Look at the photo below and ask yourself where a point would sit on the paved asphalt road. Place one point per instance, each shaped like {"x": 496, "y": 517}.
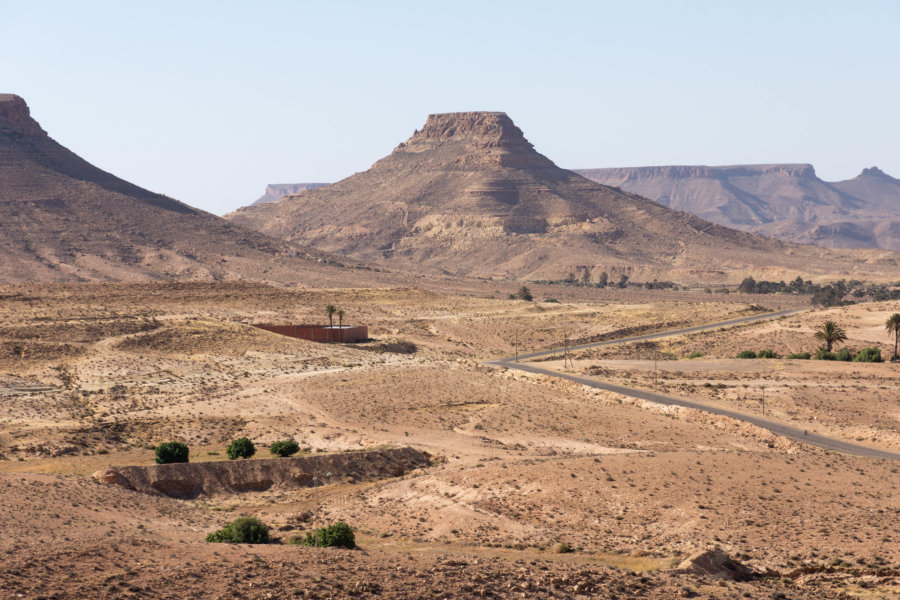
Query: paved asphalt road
{"x": 776, "y": 427}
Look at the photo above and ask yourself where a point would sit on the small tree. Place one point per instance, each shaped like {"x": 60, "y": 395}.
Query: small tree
{"x": 623, "y": 281}
{"x": 244, "y": 530}
{"x": 171, "y": 452}
{"x": 284, "y": 448}
{"x": 892, "y": 325}
{"x": 603, "y": 280}
{"x": 524, "y": 294}
{"x": 240, "y": 448}
{"x": 340, "y": 314}
{"x": 330, "y": 310}
{"x": 831, "y": 333}
{"x": 340, "y": 534}
{"x": 748, "y": 285}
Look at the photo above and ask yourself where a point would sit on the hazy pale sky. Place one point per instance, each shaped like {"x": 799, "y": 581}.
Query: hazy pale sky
{"x": 208, "y": 101}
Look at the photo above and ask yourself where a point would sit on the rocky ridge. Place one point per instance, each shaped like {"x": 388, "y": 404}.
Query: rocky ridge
{"x": 786, "y": 201}
{"x": 468, "y": 195}
{"x": 277, "y": 191}
{"x": 63, "y": 219}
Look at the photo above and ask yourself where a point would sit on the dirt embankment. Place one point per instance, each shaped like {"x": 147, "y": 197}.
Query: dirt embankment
{"x": 190, "y": 480}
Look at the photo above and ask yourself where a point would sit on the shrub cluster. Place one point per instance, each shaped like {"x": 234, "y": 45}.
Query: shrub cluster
{"x": 171, "y": 452}
{"x": 848, "y": 354}
{"x": 799, "y": 355}
{"x": 760, "y": 354}
{"x": 240, "y": 448}
{"x": 244, "y": 530}
{"x": 868, "y": 355}
{"x": 284, "y": 448}
{"x": 340, "y": 534}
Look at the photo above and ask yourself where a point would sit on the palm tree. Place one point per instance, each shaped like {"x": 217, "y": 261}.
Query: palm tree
{"x": 340, "y": 315}
{"x": 893, "y": 326}
{"x": 831, "y": 333}
{"x": 330, "y": 310}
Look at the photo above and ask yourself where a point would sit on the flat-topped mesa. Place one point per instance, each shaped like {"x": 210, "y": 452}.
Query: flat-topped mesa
{"x": 490, "y": 128}
{"x": 484, "y": 137}
{"x": 15, "y": 116}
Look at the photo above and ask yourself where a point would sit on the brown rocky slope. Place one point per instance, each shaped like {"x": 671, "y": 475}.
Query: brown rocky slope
{"x": 63, "y": 219}
{"x": 469, "y": 195}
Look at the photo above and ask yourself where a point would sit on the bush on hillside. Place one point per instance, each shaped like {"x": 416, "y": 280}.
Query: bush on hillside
{"x": 284, "y": 448}
{"x": 799, "y": 355}
{"x": 823, "y": 354}
{"x": 696, "y": 354}
{"x": 868, "y": 355}
{"x": 766, "y": 354}
{"x": 171, "y": 452}
{"x": 240, "y": 448}
{"x": 340, "y": 534}
{"x": 244, "y": 530}
{"x": 845, "y": 354}
{"x": 746, "y": 354}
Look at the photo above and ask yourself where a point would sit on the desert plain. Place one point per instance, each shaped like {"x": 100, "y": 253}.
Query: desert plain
{"x": 536, "y": 487}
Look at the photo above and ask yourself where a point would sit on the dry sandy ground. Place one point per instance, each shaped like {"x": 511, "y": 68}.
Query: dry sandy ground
{"x": 857, "y": 402}
{"x": 92, "y": 375}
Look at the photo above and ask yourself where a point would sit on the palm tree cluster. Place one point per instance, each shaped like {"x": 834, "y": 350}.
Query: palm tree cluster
{"x": 332, "y": 310}
{"x": 893, "y": 326}
{"x": 831, "y": 333}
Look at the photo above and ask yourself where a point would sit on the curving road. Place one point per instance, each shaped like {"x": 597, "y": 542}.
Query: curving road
{"x": 775, "y": 427}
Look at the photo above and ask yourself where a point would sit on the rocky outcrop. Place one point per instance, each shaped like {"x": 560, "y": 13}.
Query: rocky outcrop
{"x": 191, "y": 480}
{"x": 16, "y": 118}
{"x": 715, "y": 564}
{"x": 469, "y": 195}
{"x": 277, "y": 191}
{"x": 787, "y": 201}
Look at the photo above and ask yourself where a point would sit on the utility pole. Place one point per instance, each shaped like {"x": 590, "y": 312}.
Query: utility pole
{"x": 764, "y": 400}
{"x": 655, "y": 370}
{"x": 517, "y": 345}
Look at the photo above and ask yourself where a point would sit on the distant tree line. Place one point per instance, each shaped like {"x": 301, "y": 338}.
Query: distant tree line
{"x": 604, "y": 281}
{"x": 836, "y": 293}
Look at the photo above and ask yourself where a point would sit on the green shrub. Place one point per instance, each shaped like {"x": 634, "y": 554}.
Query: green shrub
{"x": 284, "y": 448}
{"x": 766, "y": 354}
{"x": 240, "y": 448}
{"x": 551, "y": 300}
{"x": 799, "y": 355}
{"x": 171, "y": 452}
{"x": 747, "y": 354}
{"x": 244, "y": 530}
{"x": 338, "y": 534}
{"x": 823, "y": 354}
{"x": 844, "y": 354}
{"x": 868, "y": 355}
{"x": 696, "y": 354}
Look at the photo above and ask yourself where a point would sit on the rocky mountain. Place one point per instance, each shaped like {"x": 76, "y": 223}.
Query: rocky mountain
{"x": 277, "y": 191}
{"x": 63, "y": 219}
{"x": 469, "y": 195}
{"x": 787, "y": 201}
